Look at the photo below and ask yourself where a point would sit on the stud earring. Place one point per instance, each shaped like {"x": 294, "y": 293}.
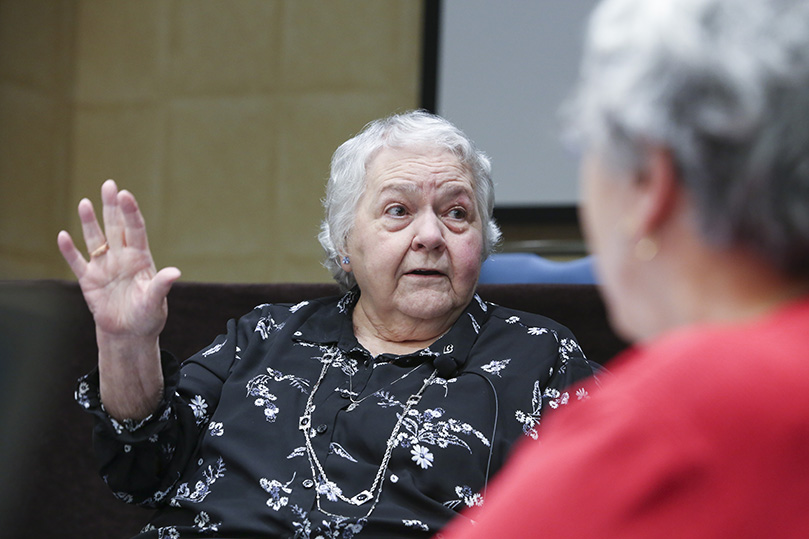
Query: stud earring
{"x": 346, "y": 260}
{"x": 645, "y": 249}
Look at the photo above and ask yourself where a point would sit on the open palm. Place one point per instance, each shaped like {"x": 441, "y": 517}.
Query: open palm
{"x": 121, "y": 286}
{"x": 127, "y": 297}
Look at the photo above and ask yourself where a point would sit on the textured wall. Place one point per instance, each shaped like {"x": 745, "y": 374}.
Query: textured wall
{"x": 220, "y": 116}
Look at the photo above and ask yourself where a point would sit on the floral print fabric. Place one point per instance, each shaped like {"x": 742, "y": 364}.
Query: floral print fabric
{"x": 225, "y": 453}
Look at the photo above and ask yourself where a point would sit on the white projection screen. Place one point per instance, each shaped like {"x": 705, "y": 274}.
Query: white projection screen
{"x": 503, "y": 69}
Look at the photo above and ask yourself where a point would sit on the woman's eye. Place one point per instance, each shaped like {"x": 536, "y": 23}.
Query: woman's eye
{"x": 457, "y": 213}
{"x": 396, "y": 211}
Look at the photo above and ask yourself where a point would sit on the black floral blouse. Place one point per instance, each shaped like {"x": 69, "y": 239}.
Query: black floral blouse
{"x": 286, "y": 426}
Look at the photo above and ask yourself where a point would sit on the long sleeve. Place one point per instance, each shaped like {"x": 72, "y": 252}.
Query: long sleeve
{"x": 141, "y": 461}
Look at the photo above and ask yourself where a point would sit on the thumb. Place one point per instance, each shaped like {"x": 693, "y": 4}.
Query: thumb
{"x": 161, "y": 283}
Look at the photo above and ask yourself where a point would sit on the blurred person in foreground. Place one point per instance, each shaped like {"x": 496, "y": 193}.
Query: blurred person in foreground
{"x": 378, "y": 413}
{"x": 693, "y": 116}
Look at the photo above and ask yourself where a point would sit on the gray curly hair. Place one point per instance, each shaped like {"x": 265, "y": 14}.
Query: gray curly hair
{"x": 347, "y": 179}
{"x": 724, "y": 85}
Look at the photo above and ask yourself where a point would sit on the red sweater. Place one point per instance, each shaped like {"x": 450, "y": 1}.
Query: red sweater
{"x": 703, "y": 433}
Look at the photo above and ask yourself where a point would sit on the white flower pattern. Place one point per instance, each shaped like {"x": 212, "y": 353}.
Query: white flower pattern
{"x": 417, "y": 524}
{"x": 214, "y": 349}
{"x": 434, "y": 432}
{"x": 421, "y": 429}
{"x": 200, "y": 408}
{"x": 259, "y": 387}
{"x": 496, "y": 366}
{"x": 203, "y": 523}
{"x": 201, "y": 488}
{"x": 277, "y": 492}
{"x": 537, "y": 331}
{"x": 422, "y": 456}
{"x": 216, "y": 428}
{"x": 530, "y": 420}
{"x": 466, "y": 496}
{"x": 328, "y": 489}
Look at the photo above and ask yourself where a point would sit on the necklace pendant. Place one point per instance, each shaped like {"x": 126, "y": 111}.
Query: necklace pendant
{"x": 362, "y": 497}
{"x": 351, "y": 407}
{"x": 304, "y": 422}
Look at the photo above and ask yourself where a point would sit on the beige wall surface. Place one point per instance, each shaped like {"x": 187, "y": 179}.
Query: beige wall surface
{"x": 220, "y": 116}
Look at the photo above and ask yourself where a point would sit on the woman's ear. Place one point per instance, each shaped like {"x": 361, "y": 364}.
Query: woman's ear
{"x": 658, "y": 189}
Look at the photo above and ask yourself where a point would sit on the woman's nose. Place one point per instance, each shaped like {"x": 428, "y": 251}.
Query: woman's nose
{"x": 429, "y": 233}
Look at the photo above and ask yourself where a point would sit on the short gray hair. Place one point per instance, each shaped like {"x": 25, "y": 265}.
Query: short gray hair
{"x": 724, "y": 85}
{"x": 407, "y": 130}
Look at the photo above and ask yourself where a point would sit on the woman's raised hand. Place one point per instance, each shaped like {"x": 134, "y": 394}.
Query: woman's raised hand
{"x": 125, "y": 293}
{"x": 127, "y": 298}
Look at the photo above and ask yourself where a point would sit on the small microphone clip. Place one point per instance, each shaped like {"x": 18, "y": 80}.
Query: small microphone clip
{"x": 448, "y": 366}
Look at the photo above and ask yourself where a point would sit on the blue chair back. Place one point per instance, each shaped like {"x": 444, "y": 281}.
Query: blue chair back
{"x": 511, "y": 268}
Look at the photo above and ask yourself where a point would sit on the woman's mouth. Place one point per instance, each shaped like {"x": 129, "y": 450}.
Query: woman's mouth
{"x": 426, "y": 273}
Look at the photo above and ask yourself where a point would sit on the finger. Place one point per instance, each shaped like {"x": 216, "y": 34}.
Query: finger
{"x": 71, "y": 254}
{"x": 113, "y": 222}
{"x": 91, "y": 230}
{"x": 161, "y": 284}
{"x": 134, "y": 225}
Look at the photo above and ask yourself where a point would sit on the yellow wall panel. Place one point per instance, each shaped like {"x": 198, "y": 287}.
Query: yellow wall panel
{"x": 220, "y": 116}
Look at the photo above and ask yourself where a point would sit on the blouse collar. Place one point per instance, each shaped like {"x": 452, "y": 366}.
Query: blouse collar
{"x": 332, "y": 325}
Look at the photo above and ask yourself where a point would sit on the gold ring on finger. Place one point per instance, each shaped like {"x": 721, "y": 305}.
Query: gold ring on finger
{"x": 101, "y": 250}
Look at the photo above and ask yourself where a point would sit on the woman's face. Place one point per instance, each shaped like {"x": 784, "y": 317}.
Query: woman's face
{"x": 606, "y": 215}
{"x": 416, "y": 245}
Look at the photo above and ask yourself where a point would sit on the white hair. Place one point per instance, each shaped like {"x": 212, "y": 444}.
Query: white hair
{"x": 415, "y": 129}
{"x": 724, "y": 85}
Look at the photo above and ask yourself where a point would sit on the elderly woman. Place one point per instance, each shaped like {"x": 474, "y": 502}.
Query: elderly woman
{"x": 694, "y": 115}
{"x": 379, "y": 413}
